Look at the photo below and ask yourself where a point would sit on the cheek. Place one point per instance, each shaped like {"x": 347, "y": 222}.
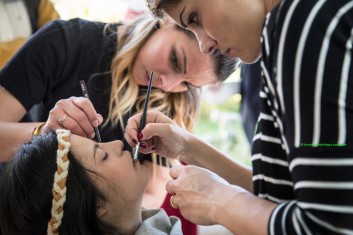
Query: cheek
{"x": 156, "y": 55}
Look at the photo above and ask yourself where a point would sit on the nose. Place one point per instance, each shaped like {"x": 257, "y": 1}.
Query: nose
{"x": 170, "y": 82}
{"x": 115, "y": 146}
{"x": 206, "y": 43}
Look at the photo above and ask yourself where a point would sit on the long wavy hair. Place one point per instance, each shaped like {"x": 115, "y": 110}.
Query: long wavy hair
{"x": 26, "y": 193}
{"x": 183, "y": 107}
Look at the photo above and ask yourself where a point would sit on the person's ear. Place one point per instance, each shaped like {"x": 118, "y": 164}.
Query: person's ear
{"x": 101, "y": 211}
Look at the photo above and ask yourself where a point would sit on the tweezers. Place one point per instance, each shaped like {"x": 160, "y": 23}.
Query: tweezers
{"x": 144, "y": 114}
{"x": 85, "y": 93}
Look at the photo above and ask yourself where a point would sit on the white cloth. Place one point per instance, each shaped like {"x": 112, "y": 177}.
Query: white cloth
{"x": 157, "y": 222}
{"x": 15, "y": 21}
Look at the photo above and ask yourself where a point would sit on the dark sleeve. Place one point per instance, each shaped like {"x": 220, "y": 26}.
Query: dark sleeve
{"x": 52, "y": 61}
{"x": 314, "y": 83}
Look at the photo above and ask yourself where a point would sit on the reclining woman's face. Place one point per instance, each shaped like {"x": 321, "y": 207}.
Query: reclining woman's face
{"x": 175, "y": 59}
{"x": 121, "y": 179}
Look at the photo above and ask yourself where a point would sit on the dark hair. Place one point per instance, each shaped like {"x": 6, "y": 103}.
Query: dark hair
{"x": 26, "y": 193}
{"x": 224, "y": 66}
{"x": 158, "y": 7}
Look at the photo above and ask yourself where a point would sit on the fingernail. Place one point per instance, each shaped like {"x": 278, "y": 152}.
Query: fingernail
{"x": 92, "y": 135}
{"x": 154, "y": 148}
{"x": 95, "y": 123}
{"x": 143, "y": 145}
{"x": 135, "y": 141}
{"x": 140, "y": 135}
{"x": 100, "y": 119}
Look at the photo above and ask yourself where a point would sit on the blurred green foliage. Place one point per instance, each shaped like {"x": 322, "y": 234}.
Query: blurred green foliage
{"x": 221, "y": 126}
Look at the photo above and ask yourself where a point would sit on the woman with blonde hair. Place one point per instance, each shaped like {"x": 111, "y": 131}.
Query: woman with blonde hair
{"x": 115, "y": 60}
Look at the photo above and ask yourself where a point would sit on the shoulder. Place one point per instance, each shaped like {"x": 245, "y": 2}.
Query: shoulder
{"x": 73, "y": 26}
{"x": 293, "y": 18}
{"x": 297, "y": 30}
{"x": 68, "y": 35}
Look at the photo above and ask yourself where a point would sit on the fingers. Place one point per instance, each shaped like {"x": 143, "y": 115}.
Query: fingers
{"x": 153, "y": 116}
{"x": 76, "y": 114}
{"x": 87, "y": 107}
{"x": 172, "y": 185}
{"x": 175, "y": 171}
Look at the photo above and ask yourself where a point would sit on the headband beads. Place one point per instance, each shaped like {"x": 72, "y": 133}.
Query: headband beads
{"x": 59, "y": 186}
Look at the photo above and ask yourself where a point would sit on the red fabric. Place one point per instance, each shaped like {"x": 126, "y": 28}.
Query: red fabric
{"x": 187, "y": 227}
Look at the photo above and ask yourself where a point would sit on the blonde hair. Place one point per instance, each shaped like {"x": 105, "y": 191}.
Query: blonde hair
{"x": 125, "y": 93}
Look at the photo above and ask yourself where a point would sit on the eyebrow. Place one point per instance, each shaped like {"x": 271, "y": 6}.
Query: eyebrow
{"x": 181, "y": 18}
{"x": 95, "y": 147}
{"x": 185, "y": 61}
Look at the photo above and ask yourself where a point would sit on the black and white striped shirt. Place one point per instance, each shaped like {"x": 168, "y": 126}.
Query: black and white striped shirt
{"x": 303, "y": 147}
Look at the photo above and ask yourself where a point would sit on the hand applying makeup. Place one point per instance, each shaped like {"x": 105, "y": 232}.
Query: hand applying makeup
{"x": 143, "y": 117}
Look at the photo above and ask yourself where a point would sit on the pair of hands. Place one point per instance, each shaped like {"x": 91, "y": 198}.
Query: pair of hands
{"x": 196, "y": 190}
{"x": 161, "y": 133}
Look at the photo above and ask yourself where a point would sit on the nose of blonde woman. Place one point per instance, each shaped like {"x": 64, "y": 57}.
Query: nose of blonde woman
{"x": 169, "y": 82}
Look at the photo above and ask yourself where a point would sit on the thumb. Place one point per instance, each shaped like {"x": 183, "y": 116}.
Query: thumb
{"x": 151, "y": 130}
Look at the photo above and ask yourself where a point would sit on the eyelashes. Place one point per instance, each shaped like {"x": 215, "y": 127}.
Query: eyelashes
{"x": 193, "y": 19}
{"x": 106, "y": 155}
{"x": 174, "y": 61}
{"x": 186, "y": 84}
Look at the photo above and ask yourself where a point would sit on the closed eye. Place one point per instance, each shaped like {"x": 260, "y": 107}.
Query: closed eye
{"x": 189, "y": 85}
{"x": 174, "y": 61}
{"x": 186, "y": 84}
{"x": 106, "y": 155}
{"x": 193, "y": 19}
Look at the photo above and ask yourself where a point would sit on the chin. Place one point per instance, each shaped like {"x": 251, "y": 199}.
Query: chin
{"x": 250, "y": 59}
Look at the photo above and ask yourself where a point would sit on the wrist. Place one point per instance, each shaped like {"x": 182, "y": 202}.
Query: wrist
{"x": 238, "y": 209}
{"x": 38, "y": 130}
{"x": 191, "y": 147}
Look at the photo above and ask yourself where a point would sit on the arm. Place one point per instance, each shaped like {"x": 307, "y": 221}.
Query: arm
{"x": 81, "y": 119}
{"x": 202, "y": 154}
{"x": 205, "y": 198}
{"x": 12, "y": 134}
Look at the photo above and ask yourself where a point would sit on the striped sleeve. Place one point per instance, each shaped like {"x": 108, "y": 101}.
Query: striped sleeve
{"x": 303, "y": 150}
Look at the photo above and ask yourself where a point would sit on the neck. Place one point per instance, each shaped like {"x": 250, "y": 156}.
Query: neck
{"x": 155, "y": 192}
{"x": 129, "y": 220}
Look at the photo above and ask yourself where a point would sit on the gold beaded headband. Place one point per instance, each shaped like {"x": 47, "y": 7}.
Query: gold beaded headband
{"x": 60, "y": 176}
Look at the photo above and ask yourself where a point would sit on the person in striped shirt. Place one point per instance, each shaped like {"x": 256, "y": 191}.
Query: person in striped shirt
{"x": 301, "y": 180}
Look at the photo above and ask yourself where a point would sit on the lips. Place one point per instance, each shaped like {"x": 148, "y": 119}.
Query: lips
{"x": 135, "y": 162}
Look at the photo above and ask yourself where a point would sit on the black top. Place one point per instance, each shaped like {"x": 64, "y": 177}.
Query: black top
{"x": 53, "y": 61}
{"x": 250, "y": 101}
{"x": 303, "y": 149}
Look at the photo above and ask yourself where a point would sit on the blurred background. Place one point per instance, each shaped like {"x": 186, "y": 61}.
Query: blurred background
{"x": 220, "y": 122}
